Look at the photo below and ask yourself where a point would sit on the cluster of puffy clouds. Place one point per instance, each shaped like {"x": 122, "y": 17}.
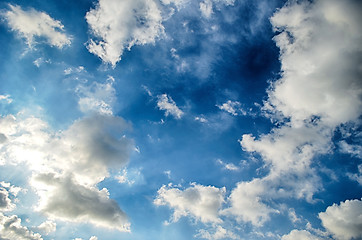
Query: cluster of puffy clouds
{"x": 319, "y": 90}
{"x": 64, "y": 167}
{"x": 115, "y": 30}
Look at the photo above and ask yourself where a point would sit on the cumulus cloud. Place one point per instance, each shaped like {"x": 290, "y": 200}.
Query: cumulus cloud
{"x": 319, "y": 44}
{"x": 344, "y": 221}
{"x": 11, "y": 228}
{"x": 32, "y": 24}
{"x": 300, "y": 235}
{"x": 62, "y": 197}
{"x": 289, "y": 149}
{"x": 319, "y": 89}
{"x": 5, "y": 201}
{"x": 232, "y": 107}
{"x": 246, "y": 204}
{"x": 79, "y": 156}
{"x": 119, "y": 25}
{"x": 200, "y": 202}
{"x": 165, "y": 102}
{"x": 97, "y": 98}
{"x": 47, "y": 227}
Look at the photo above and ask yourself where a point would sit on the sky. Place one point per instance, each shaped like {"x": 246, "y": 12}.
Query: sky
{"x": 180, "y": 119}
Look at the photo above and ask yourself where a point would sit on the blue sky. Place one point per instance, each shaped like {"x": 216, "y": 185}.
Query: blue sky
{"x": 180, "y": 119}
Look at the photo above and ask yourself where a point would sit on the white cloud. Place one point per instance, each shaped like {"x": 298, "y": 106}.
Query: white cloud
{"x": 71, "y": 70}
{"x": 356, "y": 176}
{"x": 216, "y": 233}
{"x": 11, "y": 228}
{"x": 6, "y": 98}
{"x": 120, "y": 25}
{"x": 300, "y": 235}
{"x": 200, "y": 202}
{"x": 39, "y": 61}
{"x": 293, "y": 216}
{"x": 246, "y": 203}
{"x": 319, "y": 89}
{"x": 201, "y": 119}
{"x": 352, "y": 149}
{"x": 232, "y": 107}
{"x": 289, "y": 148}
{"x": 32, "y": 23}
{"x": 97, "y": 98}
{"x": 206, "y": 8}
{"x": 178, "y": 3}
{"x": 131, "y": 176}
{"x": 344, "y": 221}
{"x": 78, "y": 157}
{"x": 228, "y": 166}
{"x": 319, "y": 45}
{"x": 165, "y": 102}
{"x": 47, "y": 227}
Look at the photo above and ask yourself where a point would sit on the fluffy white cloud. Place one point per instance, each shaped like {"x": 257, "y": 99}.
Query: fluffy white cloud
{"x": 200, "y": 202}
{"x": 319, "y": 45}
{"x": 319, "y": 89}
{"x": 344, "y": 221}
{"x": 78, "y": 157}
{"x": 232, "y": 107}
{"x": 119, "y": 25}
{"x": 165, "y": 102}
{"x": 97, "y": 98}
{"x": 246, "y": 204}
{"x": 287, "y": 148}
{"x": 11, "y": 228}
{"x": 32, "y": 23}
{"x": 300, "y": 235}
{"x": 47, "y": 227}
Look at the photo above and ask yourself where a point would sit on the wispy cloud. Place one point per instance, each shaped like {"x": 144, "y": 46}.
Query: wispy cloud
{"x": 31, "y": 24}
{"x": 165, "y": 102}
